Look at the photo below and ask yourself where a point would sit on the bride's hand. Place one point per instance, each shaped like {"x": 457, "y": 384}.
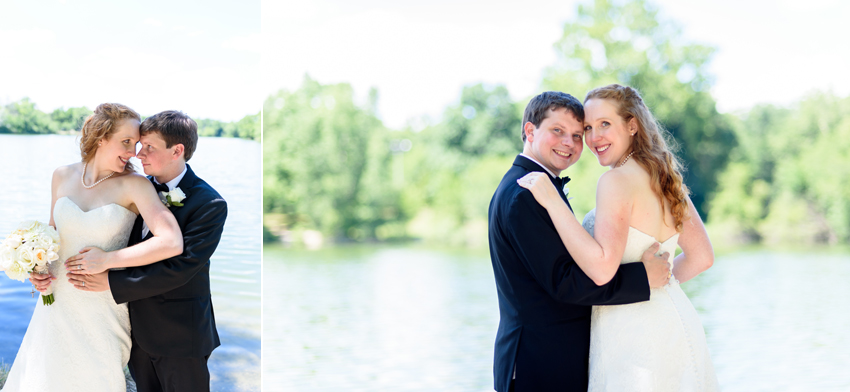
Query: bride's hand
{"x": 41, "y": 281}
{"x": 541, "y": 187}
{"x": 91, "y": 260}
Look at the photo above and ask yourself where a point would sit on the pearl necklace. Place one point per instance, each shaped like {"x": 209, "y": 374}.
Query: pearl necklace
{"x": 82, "y": 178}
{"x": 626, "y": 160}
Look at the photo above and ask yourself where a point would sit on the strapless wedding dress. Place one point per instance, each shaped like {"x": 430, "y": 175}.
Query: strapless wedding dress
{"x": 82, "y": 341}
{"x": 656, "y": 345}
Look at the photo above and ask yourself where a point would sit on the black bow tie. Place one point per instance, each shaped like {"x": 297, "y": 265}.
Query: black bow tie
{"x": 159, "y": 187}
{"x": 560, "y": 182}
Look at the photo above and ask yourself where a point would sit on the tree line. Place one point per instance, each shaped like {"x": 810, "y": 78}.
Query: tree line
{"x": 768, "y": 175}
{"x": 24, "y": 118}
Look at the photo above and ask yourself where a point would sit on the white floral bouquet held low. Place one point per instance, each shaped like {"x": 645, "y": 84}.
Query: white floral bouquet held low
{"x": 30, "y": 248}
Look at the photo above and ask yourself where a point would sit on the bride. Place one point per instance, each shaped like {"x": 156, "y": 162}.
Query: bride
{"x": 658, "y": 345}
{"x": 82, "y": 341}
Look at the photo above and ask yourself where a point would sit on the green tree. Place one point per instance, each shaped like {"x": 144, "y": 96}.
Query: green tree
{"x": 246, "y": 128}
{"x": 23, "y": 117}
{"x": 627, "y": 43}
{"x": 325, "y": 161}
{"x": 787, "y": 181}
{"x": 455, "y": 165}
{"x": 71, "y": 119}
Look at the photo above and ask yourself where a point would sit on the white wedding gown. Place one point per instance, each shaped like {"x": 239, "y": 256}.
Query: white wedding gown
{"x": 656, "y": 345}
{"x": 81, "y": 343}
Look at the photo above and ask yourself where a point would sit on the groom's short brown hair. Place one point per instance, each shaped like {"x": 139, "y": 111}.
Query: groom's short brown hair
{"x": 537, "y": 108}
{"x": 175, "y": 127}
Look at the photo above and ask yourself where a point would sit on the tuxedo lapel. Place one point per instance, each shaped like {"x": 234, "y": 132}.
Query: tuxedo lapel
{"x": 185, "y": 185}
{"x": 531, "y": 166}
{"x": 187, "y": 182}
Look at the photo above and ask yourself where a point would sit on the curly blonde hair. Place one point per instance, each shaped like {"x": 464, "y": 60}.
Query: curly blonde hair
{"x": 101, "y": 125}
{"x": 650, "y": 149}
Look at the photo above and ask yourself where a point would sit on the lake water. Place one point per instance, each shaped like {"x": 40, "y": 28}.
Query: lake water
{"x": 231, "y": 166}
{"x": 410, "y": 318}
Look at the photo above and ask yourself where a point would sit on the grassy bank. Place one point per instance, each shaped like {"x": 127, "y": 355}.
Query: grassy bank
{"x": 4, "y": 372}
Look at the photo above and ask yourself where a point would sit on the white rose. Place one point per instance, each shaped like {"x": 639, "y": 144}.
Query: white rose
{"x": 13, "y": 241}
{"x": 27, "y": 225}
{"x": 31, "y": 238}
{"x": 177, "y": 195}
{"x": 52, "y": 233}
{"x": 45, "y": 241}
{"x": 40, "y": 257}
{"x": 17, "y": 272}
{"x": 7, "y": 257}
{"x": 25, "y": 257}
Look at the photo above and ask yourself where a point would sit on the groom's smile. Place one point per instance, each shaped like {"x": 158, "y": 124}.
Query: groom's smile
{"x": 557, "y": 142}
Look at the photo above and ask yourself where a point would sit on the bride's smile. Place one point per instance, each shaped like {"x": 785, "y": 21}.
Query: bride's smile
{"x": 606, "y": 134}
{"x": 114, "y": 152}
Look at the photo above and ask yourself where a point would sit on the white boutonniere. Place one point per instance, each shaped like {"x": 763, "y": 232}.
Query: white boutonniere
{"x": 172, "y": 198}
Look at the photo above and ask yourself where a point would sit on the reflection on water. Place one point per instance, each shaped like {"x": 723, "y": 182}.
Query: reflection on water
{"x": 777, "y": 321}
{"x": 417, "y": 319}
{"x": 360, "y": 319}
{"x": 232, "y": 166}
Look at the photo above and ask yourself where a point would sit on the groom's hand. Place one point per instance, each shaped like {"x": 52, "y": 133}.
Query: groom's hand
{"x": 41, "y": 281}
{"x": 657, "y": 267}
{"x": 96, "y": 282}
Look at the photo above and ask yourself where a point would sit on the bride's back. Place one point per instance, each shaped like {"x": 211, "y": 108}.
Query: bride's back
{"x": 648, "y": 214}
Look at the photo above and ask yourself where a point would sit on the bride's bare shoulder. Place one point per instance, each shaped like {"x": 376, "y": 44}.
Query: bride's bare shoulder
{"x": 67, "y": 170}
{"x": 135, "y": 181}
{"x": 67, "y": 173}
{"x": 133, "y": 178}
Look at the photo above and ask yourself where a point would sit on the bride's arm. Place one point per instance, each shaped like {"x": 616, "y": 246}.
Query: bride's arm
{"x": 42, "y": 281}
{"x": 167, "y": 239}
{"x": 598, "y": 257}
{"x": 697, "y": 253}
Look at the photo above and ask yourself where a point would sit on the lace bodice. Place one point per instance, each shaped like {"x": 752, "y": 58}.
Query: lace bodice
{"x": 637, "y": 242}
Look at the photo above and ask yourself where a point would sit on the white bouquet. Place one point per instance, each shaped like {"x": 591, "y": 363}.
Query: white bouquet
{"x": 30, "y": 248}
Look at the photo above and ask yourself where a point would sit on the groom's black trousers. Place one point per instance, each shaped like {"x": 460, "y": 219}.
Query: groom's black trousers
{"x": 154, "y": 373}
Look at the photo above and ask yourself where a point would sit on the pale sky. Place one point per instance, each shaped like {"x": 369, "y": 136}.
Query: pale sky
{"x": 201, "y": 57}
{"x": 419, "y": 55}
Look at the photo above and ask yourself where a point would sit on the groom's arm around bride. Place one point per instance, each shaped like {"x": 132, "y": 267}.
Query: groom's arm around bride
{"x": 545, "y": 299}
{"x": 171, "y": 311}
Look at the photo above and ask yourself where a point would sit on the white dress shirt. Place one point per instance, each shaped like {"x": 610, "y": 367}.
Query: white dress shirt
{"x": 544, "y": 167}
{"x": 171, "y": 185}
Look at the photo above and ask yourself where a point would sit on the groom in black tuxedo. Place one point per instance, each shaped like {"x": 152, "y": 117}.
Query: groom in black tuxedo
{"x": 171, "y": 312}
{"x": 545, "y": 299}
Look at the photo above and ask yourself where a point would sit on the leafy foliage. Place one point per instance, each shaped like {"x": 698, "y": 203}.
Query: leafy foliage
{"x": 324, "y": 161}
{"x": 626, "y": 43}
{"x": 789, "y": 178}
{"x": 246, "y": 128}
{"x": 23, "y": 117}
{"x": 767, "y": 175}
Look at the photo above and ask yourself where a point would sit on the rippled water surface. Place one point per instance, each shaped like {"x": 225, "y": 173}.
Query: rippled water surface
{"x": 231, "y": 166}
{"x": 418, "y": 319}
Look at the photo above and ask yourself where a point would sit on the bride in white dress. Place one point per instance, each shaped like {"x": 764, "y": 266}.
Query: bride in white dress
{"x": 657, "y": 345}
{"x": 82, "y": 341}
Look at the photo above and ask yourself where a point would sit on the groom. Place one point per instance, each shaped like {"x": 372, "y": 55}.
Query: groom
{"x": 171, "y": 312}
{"x": 543, "y": 341}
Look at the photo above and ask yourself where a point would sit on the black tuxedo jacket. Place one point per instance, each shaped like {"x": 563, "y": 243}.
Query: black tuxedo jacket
{"x": 544, "y": 297}
{"x": 171, "y": 310}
